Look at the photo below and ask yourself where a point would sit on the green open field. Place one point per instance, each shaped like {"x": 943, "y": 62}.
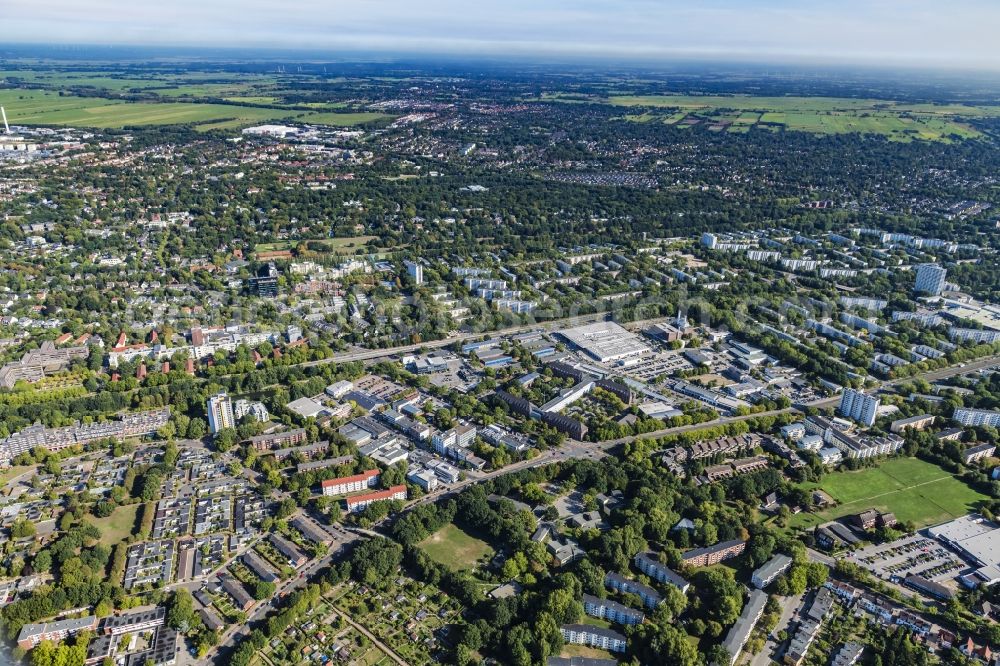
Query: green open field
{"x": 818, "y": 115}
{"x": 914, "y": 490}
{"x": 455, "y": 548}
{"x": 44, "y": 107}
{"x": 11, "y": 473}
{"x": 345, "y": 245}
{"x": 118, "y": 526}
{"x": 573, "y": 650}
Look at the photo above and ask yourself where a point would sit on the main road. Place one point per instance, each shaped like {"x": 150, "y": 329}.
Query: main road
{"x": 571, "y": 449}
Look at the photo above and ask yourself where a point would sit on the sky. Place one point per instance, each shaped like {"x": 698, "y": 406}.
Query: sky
{"x": 942, "y": 33}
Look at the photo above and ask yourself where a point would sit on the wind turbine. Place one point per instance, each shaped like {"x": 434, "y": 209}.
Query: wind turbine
{"x": 6, "y": 127}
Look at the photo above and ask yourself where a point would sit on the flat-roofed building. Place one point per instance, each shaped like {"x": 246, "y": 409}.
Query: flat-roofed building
{"x": 612, "y": 611}
{"x": 918, "y": 422}
{"x": 606, "y": 341}
{"x": 597, "y": 637}
{"x": 33, "y": 634}
{"x": 127, "y": 623}
{"x": 976, "y": 417}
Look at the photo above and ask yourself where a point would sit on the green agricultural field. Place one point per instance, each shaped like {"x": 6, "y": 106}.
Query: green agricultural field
{"x": 455, "y": 548}
{"x": 44, "y": 107}
{"x": 23, "y": 106}
{"x": 745, "y": 102}
{"x": 38, "y": 107}
{"x": 817, "y": 115}
{"x": 118, "y": 526}
{"x": 914, "y": 490}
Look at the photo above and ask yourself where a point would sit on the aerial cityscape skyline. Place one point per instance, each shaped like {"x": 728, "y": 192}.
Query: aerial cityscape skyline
{"x": 525, "y": 334}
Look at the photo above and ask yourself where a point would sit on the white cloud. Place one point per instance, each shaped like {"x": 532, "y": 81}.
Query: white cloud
{"x": 921, "y": 32}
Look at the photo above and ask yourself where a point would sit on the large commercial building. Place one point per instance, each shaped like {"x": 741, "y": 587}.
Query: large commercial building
{"x": 976, "y": 417}
{"x": 859, "y": 406}
{"x": 220, "y": 413}
{"x": 930, "y": 279}
{"x": 606, "y": 341}
{"x": 975, "y": 539}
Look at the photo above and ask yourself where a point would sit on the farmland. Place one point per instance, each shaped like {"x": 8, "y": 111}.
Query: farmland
{"x": 43, "y": 107}
{"x": 817, "y": 115}
{"x": 912, "y": 489}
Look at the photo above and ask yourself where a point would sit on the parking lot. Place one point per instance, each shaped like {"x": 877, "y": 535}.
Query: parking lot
{"x": 912, "y": 555}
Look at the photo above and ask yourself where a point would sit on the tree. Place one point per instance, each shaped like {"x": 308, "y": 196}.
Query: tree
{"x": 374, "y": 561}
{"x": 22, "y": 529}
{"x": 225, "y": 439}
{"x": 263, "y": 589}
{"x": 180, "y": 611}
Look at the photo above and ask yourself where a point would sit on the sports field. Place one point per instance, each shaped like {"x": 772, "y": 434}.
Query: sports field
{"x": 455, "y": 548}
{"x": 914, "y": 490}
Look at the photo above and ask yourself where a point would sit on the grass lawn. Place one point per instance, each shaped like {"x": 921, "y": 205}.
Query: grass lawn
{"x": 118, "y": 526}
{"x": 914, "y": 490}
{"x": 595, "y": 622}
{"x": 13, "y": 472}
{"x": 573, "y": 650}
{"x": 336, "y": 245}
{"x": 454, "y": 548}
